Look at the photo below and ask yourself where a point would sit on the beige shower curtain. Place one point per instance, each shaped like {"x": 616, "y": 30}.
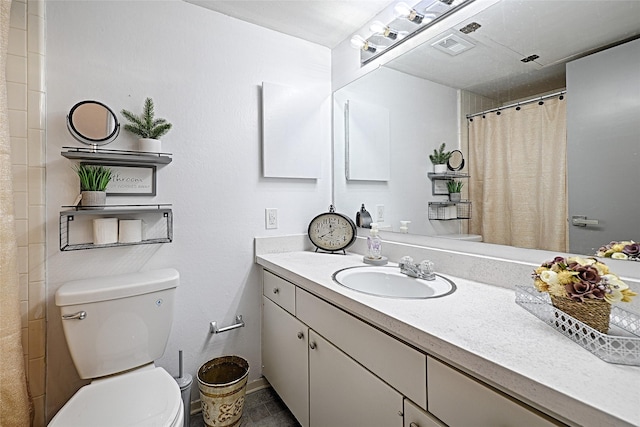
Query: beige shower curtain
{"x": 518, "y": 176}
{"x": 15, "y": 406}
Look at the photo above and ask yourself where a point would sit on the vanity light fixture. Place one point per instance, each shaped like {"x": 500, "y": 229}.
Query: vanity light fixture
{"x": 384, "y": 36}
{"x": 379, "y": 28}
{"x": 403, "y": 10}
{"x": 359, "y": 42}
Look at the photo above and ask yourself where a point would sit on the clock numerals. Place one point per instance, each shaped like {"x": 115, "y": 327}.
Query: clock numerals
{"x": 332, "y": 232}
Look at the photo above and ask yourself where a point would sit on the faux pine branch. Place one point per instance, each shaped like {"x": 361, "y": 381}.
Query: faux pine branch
{"x": 145, "y": 126}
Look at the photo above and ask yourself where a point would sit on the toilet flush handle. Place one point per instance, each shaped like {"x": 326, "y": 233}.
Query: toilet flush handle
{"x": 81, "y": 315}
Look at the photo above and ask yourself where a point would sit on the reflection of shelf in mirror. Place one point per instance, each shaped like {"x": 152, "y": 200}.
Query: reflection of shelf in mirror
{"x": 98, "y": 155}
{"x": 447, "y": 175}
{"x": 76, "y": 232}
{"x": 442, "y": 211}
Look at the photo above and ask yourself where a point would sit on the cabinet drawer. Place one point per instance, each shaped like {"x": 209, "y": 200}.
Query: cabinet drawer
{"x": 416, "y": 417}
{"x": 280, "y": 291}
{"x": 459, "y": 400}
{"x": 401, "y": 366}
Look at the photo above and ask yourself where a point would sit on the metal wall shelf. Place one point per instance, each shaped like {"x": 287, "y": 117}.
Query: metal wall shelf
{"x": 101, "y": 155}
{"x": 76, "y": 224}
{"x": 447, "y": 175}
{"x": 450, "y": 210}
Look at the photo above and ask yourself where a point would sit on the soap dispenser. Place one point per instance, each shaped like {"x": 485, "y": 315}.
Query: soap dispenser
{"x": 374, "y": 248}
{"x": 363, "y": 218}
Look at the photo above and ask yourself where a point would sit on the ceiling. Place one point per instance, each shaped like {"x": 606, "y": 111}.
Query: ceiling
{"x": 556, "y": 30}
{"x": 325, "y": 22}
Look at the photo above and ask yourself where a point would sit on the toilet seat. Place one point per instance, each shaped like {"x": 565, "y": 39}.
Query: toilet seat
{"x": 149, "y": 397}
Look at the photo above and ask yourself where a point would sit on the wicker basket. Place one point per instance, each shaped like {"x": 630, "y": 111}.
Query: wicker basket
{"x": 594, "y": 313}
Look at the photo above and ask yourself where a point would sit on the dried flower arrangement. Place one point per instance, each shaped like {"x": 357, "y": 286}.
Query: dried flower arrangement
{"x": 627, "y": 249}
{"x": 580, "y": 279}
{"x": 584, "y": 288}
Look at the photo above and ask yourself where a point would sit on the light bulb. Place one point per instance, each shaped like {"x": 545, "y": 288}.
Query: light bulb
{"x": 358, "y": 42}
{"x": 403, "y": 10}
{"x": 379, "y": 28}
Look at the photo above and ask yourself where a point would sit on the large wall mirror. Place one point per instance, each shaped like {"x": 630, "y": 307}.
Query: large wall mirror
{"x": 520, "y": 51}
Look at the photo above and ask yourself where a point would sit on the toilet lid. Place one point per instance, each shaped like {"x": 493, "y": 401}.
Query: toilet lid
{"x": 141, "y": 398}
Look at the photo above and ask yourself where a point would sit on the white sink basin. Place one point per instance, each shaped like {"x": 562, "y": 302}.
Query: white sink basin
{"x": 389, "y": 282}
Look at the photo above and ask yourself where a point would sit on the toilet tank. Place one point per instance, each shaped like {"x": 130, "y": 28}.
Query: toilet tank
{"x": 121, "y": 322}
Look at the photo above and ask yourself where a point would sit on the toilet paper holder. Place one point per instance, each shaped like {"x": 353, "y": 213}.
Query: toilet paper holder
{"x": 213, "y": 326}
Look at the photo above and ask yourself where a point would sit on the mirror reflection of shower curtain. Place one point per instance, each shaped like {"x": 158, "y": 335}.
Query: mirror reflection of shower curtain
{"x": 518, "y": 176}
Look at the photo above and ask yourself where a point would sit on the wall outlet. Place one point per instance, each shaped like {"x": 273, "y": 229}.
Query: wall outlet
{"x": 379, "y": 213}
{"x": 270, "y": 218}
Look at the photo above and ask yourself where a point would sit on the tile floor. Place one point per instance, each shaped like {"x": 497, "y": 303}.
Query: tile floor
{"x": 262, "y": 408}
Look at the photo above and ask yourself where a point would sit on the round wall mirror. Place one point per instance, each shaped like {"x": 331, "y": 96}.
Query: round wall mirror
{"x": 93, "y": 123}
{"x": 456, "y": 161}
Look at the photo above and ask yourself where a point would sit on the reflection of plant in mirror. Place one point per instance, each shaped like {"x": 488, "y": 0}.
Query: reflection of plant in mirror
{"x": 93, "y": 178}
{"x": 627, "y": 249}
{"x": 454, "y": 186}
{"x": 440, "y": 157}
{"x": 145, "y": 126}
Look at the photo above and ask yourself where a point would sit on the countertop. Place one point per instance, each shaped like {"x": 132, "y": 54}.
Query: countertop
{"x": 481, "y": 330}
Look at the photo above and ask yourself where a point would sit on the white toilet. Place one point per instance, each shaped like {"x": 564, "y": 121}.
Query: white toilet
{"x": 115, "y": 328}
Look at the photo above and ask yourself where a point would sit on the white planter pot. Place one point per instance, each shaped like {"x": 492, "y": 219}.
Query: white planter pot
{"x": 440, "y": 168}
{"x": 150, "y": 145}
{"x": 93, "y": 199}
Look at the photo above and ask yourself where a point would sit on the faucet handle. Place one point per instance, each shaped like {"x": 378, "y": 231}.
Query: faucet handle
{"x": 405, "y": 260}
{"x": 426, "y": 269}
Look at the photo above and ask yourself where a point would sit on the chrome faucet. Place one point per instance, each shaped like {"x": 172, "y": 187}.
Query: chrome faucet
{"x": 424, "y": 270}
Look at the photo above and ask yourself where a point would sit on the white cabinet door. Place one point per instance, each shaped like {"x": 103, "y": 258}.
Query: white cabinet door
{"x": 284, "y": 358}
{"x": 343, "y": 393}
{"x": 461, "y": 401}
{"x": 416, "y": 417}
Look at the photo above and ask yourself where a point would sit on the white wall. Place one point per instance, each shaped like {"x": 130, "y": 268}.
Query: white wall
{"x": 204, "y": 72}
{"x": 422, "y": 115}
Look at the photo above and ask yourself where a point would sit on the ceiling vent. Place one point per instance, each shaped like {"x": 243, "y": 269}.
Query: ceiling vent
{"x": 452, "y": 44}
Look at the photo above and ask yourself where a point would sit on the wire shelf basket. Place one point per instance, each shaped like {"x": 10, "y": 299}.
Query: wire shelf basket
{"x": 621, "y": 345}
{"x": 449, "y": 210}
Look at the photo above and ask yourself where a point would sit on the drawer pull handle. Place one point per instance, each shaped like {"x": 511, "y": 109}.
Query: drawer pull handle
{"x": 300, "y": 335}
{"x": 414, "y": 425}
{"x": 312, "y": 345}
{"x": 276, "y": 290}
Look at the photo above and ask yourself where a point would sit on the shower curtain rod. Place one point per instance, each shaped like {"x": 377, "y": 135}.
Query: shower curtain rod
{"x": 517, "y": 104}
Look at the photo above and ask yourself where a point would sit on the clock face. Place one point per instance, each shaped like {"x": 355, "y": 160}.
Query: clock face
{"x": 332, "y": 232}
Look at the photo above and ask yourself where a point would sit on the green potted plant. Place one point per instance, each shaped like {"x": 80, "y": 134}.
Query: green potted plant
{"x": 454, "y": 187}
{"x": 439, "y": 158}
{"x": 147, "y": 127}
{"x": 93, "y": 185}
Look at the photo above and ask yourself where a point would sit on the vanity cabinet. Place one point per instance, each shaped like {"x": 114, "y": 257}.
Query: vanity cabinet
{"x": 333, "y": 369}
{"x": 284, "y": 358}
{"x": 319, "y": 383}
{"x": 460, "y": 400}
{"x": 416, "y": 417}
{"x": 343, "y": 393}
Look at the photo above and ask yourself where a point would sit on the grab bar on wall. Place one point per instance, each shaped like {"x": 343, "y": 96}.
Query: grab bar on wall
{"x": 213, "y": 326}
